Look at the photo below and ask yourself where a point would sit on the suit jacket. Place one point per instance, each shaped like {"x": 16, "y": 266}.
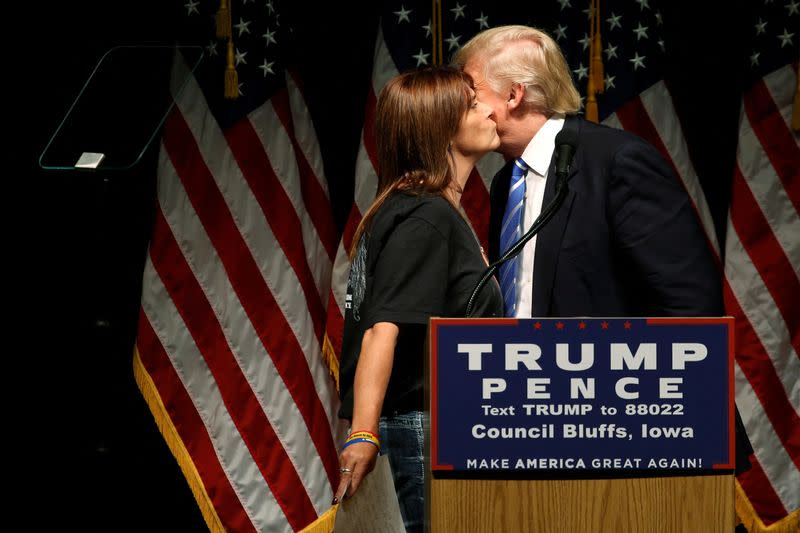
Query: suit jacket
{"x": 625, "y": 242}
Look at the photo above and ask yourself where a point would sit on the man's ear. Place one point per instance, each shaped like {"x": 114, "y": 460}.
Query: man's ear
{"x": 516, "y": 95}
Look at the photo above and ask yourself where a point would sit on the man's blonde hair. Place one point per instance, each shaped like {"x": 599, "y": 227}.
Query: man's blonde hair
{"x": 529, "y": 57}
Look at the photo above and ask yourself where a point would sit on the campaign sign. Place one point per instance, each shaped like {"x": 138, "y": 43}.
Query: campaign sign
{"x": 512, "y": 395}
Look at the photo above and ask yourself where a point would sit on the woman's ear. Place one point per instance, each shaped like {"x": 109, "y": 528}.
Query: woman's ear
{"x": 516, "y": 95}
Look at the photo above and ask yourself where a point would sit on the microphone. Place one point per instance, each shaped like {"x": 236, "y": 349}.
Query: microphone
{"x": 566, "y": 144}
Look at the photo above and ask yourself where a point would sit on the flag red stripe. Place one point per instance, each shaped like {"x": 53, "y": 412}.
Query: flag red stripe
{"x": 368, "y": 136}
{"x": 475, "y": 199}
{"x": 314, "y": 197}
{"x": 762, "y": 496}
{"x": 754, "y": 362}
{"x": 240, "y": 402}
{"x": 256, "y": 298}
{"x": 777, "y": 140}
{"x": 767, "y": 255}
{"x": 276, "y": 206}
{"x": 190, "y": 428}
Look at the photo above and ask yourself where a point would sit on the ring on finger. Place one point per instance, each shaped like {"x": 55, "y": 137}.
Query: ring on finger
{"x": 345, "y": 470}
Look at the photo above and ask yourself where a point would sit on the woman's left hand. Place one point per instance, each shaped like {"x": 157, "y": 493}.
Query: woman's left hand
{"x": 356, "y": 461}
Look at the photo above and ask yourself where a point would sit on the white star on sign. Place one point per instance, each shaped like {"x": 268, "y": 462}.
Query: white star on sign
{"x": 586, "y": 41}
{"x": 754, "y": 59}
{"x": 270, "y": 37}
{"x": 760, "y": 27}
{"x": 243, "y": 26}
{"x": 241, "y": 93}
{"x": 581, "y": 71}
{"x": 643, "y": 4}
{"x": 427, "y": 29}
{"x": 609, "y": 81}
{"x": 212, "y": 48}
{"x": 561, "y": 32}
{"x": 640, "y": 32}
{"x": 564, "y": 3}
{"x": 611, "y": 51}
{"x": 267, "y": 67}
{"x": 786, "y": 38}
{"x": 661, "y": 44}
{"x": 452, "y": 41}
{"x": 483, "y": 21}
{"x": 614, "y": 21}
{"x": 270, "y": 7}
{"x": 458, "y": 10}
{"x": 422, "y": 58}
{"x": 792, "y": 7}
{"x": 638, "y": 61}
{"x": 240, "y": 57}
{"x": 403, "y": 14}
{"x": 191, "y": 7}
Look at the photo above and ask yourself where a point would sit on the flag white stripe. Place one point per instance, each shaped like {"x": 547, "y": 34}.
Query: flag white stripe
{"x": 762, "y": 313}
{"x": 383, "y": 68}
{"x": 780, "y": 85}
{"x": 658, "y": 103}
{"x": 242, "y": 338}
{"x": 366, "y": 184}
{"x": 280, "y": 152}
{"x": 763, "y": 181}
{"x": 488, "y": 166}
{"x": 778, "y": 466}
{"x": 339, "y": 275}
{"x": 257, "y": 234}
{"x": 612, "y": 121}
{"x": 305, "y": 133}
{"x": 232, "y": 452}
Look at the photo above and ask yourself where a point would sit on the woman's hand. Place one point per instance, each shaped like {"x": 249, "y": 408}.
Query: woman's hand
{"x": 356, "y": 461}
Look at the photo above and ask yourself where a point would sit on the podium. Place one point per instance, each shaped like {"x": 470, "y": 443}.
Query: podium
{"x": 105, "y": 148}
{"x": 584, "y": 425}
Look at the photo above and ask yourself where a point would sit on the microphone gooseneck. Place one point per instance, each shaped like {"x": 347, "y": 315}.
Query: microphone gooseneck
{"x": 566, "y": 144}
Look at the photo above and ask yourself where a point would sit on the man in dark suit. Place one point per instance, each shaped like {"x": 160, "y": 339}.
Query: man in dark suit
{"x": 626, "y": 241}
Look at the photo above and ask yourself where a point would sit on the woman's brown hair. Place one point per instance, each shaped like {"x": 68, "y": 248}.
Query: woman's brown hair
{"x": 417, "y": 115}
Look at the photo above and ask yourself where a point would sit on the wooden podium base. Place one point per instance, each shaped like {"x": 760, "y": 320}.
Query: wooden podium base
{"x": 640, "y": 505}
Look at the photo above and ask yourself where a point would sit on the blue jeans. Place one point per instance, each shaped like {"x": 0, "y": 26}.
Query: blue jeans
{"x": 402, "y": 439}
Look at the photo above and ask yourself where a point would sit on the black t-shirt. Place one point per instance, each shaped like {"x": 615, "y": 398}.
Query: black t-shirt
{"x": 419, "y": 259}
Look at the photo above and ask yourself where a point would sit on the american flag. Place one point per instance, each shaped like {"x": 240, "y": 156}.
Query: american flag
{"x": 236, "y": 281}
{"x": 762, "y": 268}
{"x": 405, "y": 41}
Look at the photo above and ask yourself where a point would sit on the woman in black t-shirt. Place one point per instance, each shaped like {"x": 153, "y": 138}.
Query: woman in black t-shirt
{"x": 414, "y": 257}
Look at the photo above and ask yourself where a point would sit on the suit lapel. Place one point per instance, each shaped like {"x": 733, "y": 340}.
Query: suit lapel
{"x": 548, "y": 242}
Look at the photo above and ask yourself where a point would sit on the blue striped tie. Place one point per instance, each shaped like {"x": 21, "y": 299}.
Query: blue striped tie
{"x": 510, "y": 232}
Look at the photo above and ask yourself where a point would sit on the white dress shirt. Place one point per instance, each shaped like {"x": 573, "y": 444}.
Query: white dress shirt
{"x": 537, "y": 156}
